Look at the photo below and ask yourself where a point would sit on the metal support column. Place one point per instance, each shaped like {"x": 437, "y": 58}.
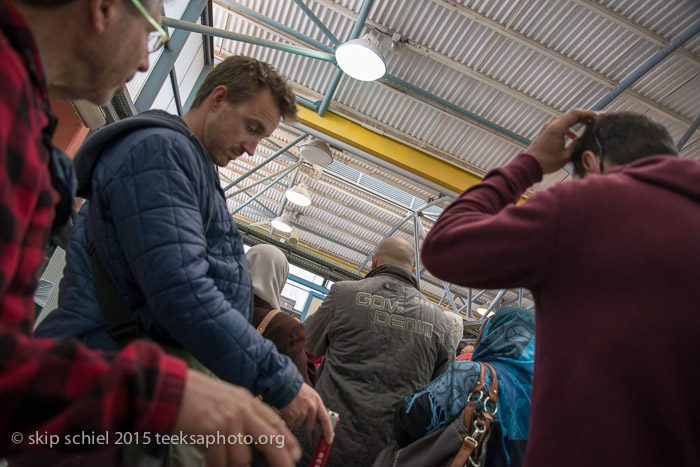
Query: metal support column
{"x": 176, "y": 92}
{"x": 166, "y": 61}
{"x": 285, "y": 172}
{"x": 262, "y": 180}
{"x": 194, "y": 27}
{"x": 292, "y": 32}
{"x": 317, "y": 21}
{"x": 359, "y": 24}
{"x": 686, "y": 136}
{"x": 684, "y": 37}
{"x": 269, "y": 159}
{"x": 446, "y": 286}
{"x": 494, "y": 303}
{"x": 416, "y": 243}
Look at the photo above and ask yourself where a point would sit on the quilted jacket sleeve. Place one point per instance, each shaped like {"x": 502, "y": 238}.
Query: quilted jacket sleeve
{"x": 154, "y": 201}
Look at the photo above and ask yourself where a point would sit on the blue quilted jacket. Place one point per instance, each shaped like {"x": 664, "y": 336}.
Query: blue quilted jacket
{"x": 161, "y": 227}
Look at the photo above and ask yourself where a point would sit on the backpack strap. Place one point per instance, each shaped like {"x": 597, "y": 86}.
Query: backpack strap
{"x": 266, "y": 320}
{"x": 123, "y": 325}
{"x": 473, "y": 443}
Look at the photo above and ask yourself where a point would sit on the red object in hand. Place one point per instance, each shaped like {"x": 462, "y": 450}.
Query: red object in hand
{"x": 322, "y": 447}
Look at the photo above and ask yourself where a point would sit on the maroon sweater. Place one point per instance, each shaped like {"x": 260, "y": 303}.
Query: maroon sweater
{"x": 613, "y": 262}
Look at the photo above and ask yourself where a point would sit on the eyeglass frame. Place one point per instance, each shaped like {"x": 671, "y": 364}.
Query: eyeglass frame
{"x": 158, "y": 28}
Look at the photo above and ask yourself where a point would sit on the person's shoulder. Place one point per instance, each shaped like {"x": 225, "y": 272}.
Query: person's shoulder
{"x": 13, "y": 72}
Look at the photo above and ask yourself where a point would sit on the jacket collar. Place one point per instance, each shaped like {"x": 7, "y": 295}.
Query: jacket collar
{"x": 397, "y": 272}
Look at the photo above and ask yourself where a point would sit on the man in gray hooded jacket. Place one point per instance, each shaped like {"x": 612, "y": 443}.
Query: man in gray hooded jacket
{"x": 382, "y": 340}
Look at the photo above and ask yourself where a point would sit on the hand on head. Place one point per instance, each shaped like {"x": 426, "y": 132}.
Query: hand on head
{"x": 213, "y": 407}
{"x": 549, "y": 146}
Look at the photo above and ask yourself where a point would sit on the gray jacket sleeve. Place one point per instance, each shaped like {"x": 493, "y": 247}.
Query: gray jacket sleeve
{"x": 446, "y": 353}
{"x": 318, "y": 325}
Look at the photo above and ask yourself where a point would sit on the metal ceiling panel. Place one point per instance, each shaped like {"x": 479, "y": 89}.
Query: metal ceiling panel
{"x": 512, "y": 63}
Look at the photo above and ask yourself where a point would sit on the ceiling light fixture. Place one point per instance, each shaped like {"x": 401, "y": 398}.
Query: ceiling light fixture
{"x": 298, "y": 195}
{"x": 282, "y": 223}
{"x": 316, "y": 151}
{"x": 361, "y": 58}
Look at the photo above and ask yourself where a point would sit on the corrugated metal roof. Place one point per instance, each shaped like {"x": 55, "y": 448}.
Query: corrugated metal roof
{"x": 513, "y": 63}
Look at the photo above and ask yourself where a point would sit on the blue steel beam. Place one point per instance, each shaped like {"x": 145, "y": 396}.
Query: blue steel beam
{"x": 470, "y": 115}
{"x": 198, "y": 28}
{"x": 307, "y": 103}
{"x": 269, "y": 159}
{"x": 416, "y": 242}
{"x": 208, "y": 41}
{"x": 284, "y": 198}
{"x": 497, "y": 128}
{"x": 262, "y": 180}
{"x": 335, "y": 81}
{"x": 167, "y": 58}
{"x": 309, "y": 284}
{"x": 317, "y": 21}
{"x": 285, "y": 172}
{"x": 494, "y": 303}
{"x": 359, "y": 24}
{"x": 176, "y": 92}
{"x": 275, "y": 24}
{"x": 325, "y": 237}
{"x": 468, "y": 305}
{"x": 193, "y": 93}
{"x": 684, "y": 37}
{"x": 401, "y": 223}
{"x": 684, "y": 139}
{"x": 397, "y": 227}
{"x": 446, "y": 286}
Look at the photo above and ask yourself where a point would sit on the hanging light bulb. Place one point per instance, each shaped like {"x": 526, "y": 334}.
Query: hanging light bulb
{"x": 361, "y": 58}
{"x": 316, "y": 151}
{"x": 298, "y": 195}
{"x": 282, "y": 223}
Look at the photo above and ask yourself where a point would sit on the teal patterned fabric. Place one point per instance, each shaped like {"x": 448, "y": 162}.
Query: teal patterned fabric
{"x": 508, "y": 344}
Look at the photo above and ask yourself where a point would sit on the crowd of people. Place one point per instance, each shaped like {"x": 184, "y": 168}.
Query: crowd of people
{"x": 166, "y": 328}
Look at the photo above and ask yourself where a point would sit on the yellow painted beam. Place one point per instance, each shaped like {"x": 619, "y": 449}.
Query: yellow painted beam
{"x": 394, "y": 152}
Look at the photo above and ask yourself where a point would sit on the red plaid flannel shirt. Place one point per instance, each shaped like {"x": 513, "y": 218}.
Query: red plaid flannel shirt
{"x": 47, "y": 386}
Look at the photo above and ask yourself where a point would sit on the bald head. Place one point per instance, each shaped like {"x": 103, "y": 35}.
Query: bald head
{"x": 396, "y": 251}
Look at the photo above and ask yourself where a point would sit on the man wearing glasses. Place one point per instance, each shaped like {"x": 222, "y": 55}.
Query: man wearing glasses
{"x": 86, "y": 50}
{"x": 612, "y": 261}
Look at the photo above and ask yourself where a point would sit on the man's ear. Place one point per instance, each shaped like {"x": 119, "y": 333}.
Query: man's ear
{"x": 413, "y": 269}
{"x": 217, "y": 97}
{"x": 374, "y": 261}
{"x": 102, "y": 13}
{"x": 590, "y": 162}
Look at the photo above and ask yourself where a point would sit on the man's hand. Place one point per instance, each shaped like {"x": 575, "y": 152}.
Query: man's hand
{"x": 212, "y": 407}
{"x": 305, "y": 409}
{"x": 549, "y": 146}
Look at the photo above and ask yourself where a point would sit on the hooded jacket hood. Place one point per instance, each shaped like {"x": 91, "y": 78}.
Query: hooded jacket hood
{"x": 668, "y": 171}
{"x": 86, "y": 158}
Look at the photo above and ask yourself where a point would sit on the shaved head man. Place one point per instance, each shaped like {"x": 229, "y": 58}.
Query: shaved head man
{"x": 382, "y": 340}
{"x": 396, "y": 251}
